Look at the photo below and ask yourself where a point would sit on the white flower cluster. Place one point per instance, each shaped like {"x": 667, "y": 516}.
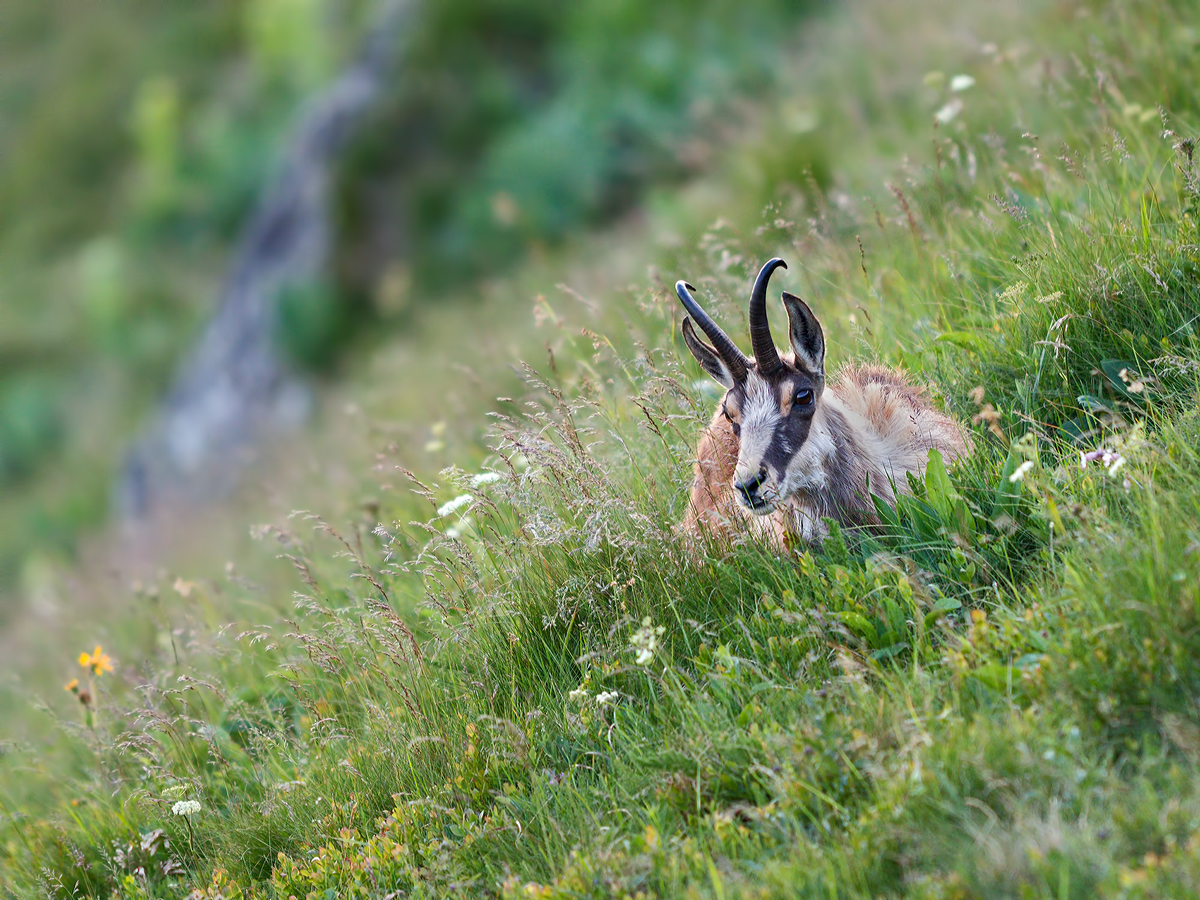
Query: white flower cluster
{"x": 1020, "y": 471}
{"x": 455, "y": 505}
{"x": 958, "y": 84}
{"x": 644, "y": 641}
{"x": 581, "y": 695}
{"x": 185, "y": 808}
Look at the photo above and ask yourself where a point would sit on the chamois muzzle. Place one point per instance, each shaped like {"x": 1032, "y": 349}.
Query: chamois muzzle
{"x": 761, "y": 342}
{"x": 747, "y": 488}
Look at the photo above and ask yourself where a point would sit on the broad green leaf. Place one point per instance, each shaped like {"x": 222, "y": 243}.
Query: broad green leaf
{"x": 860, "y": 625}
{"x": 1093, "y": 404}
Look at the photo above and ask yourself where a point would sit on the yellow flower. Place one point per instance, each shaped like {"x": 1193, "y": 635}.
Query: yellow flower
{"x": 72, "y": 685}
{"x": 98, "y": 661}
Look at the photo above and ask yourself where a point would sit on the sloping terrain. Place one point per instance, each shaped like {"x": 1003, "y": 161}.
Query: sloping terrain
{"x": 521, "y": 680}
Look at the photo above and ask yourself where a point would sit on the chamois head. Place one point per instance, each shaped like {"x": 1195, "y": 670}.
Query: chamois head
{"x": 770, "y": 400}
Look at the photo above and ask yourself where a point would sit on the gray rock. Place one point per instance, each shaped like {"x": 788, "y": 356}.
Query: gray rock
{"x": 233, "y": 389}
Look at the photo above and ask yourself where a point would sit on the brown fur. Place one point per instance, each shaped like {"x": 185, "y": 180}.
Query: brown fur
{"x": 712, "y": 500}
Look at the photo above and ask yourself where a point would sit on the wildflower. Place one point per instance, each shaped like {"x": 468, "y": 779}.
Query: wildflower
{"x": 1020, "y": 471}
{"x": 455, "y": 505}
{"x": 72, "y": 686}
{"x": 644, "y": 641}
{"x": 579, "y": 695}
{"x": 961, "y": 83}
{"x": 150, "y": 840}
{"x": 949, "y": 112}
{"x": 184, "y": 588}
{"x": 98, "y": 661}
{"x": 606, "y": 697}
{"x": 1110, "y": 459}
{"x": 483, "y": 478}
{"x": 185, "y": 808}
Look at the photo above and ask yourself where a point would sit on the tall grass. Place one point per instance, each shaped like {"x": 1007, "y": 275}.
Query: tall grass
{"x": 526, "y": 682}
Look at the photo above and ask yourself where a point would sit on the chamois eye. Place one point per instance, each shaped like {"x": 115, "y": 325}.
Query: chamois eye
{"x": 804, "y": 398}
{"x": 737, "y": 429}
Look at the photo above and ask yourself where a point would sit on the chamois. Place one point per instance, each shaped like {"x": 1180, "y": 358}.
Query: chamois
{"x": 785, "y": 450}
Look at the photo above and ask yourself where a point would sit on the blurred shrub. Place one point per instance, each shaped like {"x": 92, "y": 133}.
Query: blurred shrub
{"x": 30, "y": 422}
{"x": 516, "y": 122}
{"x": 156, "y": 116}
{"x": 287, "y": 39}
{"x": 313, "y": 321}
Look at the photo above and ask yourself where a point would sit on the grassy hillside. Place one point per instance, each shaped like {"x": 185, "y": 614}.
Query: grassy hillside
{"x": 522, "y": 681}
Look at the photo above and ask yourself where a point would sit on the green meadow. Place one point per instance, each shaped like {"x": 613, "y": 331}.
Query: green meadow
{"x": 484, "y": 660}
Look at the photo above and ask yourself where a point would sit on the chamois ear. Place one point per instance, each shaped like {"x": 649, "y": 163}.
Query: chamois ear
{"x": 808, "y": 340}
{"x": 708, "y": 358}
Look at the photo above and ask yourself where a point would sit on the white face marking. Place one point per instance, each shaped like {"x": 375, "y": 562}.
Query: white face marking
{"x": 760, "y": 418}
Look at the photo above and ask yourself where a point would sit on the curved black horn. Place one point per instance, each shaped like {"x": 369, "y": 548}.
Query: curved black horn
{"x": 726, "y": 348}
{"x": 765, "y": 353}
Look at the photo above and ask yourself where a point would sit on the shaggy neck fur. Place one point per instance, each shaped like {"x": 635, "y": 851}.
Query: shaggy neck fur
{"x": 839, "y": 466}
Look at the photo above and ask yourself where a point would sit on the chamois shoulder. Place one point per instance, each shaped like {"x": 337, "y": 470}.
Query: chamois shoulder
{"x": 893, "y": 381}
{"x": 898, "y": 411}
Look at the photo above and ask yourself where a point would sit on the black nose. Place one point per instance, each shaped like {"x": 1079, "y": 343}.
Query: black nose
{"x": 749, "y": 486}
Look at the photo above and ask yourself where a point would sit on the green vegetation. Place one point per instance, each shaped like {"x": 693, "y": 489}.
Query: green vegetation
{"x": 519, "y": 122}
{"x": 523, "y": 681}
{"x": 139, "y": 144}
{"x": 134, "y": 141}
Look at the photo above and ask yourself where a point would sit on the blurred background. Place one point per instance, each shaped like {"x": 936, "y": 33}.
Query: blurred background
{"x": 209, "y": 211}
{"x": 268, "y": 256}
